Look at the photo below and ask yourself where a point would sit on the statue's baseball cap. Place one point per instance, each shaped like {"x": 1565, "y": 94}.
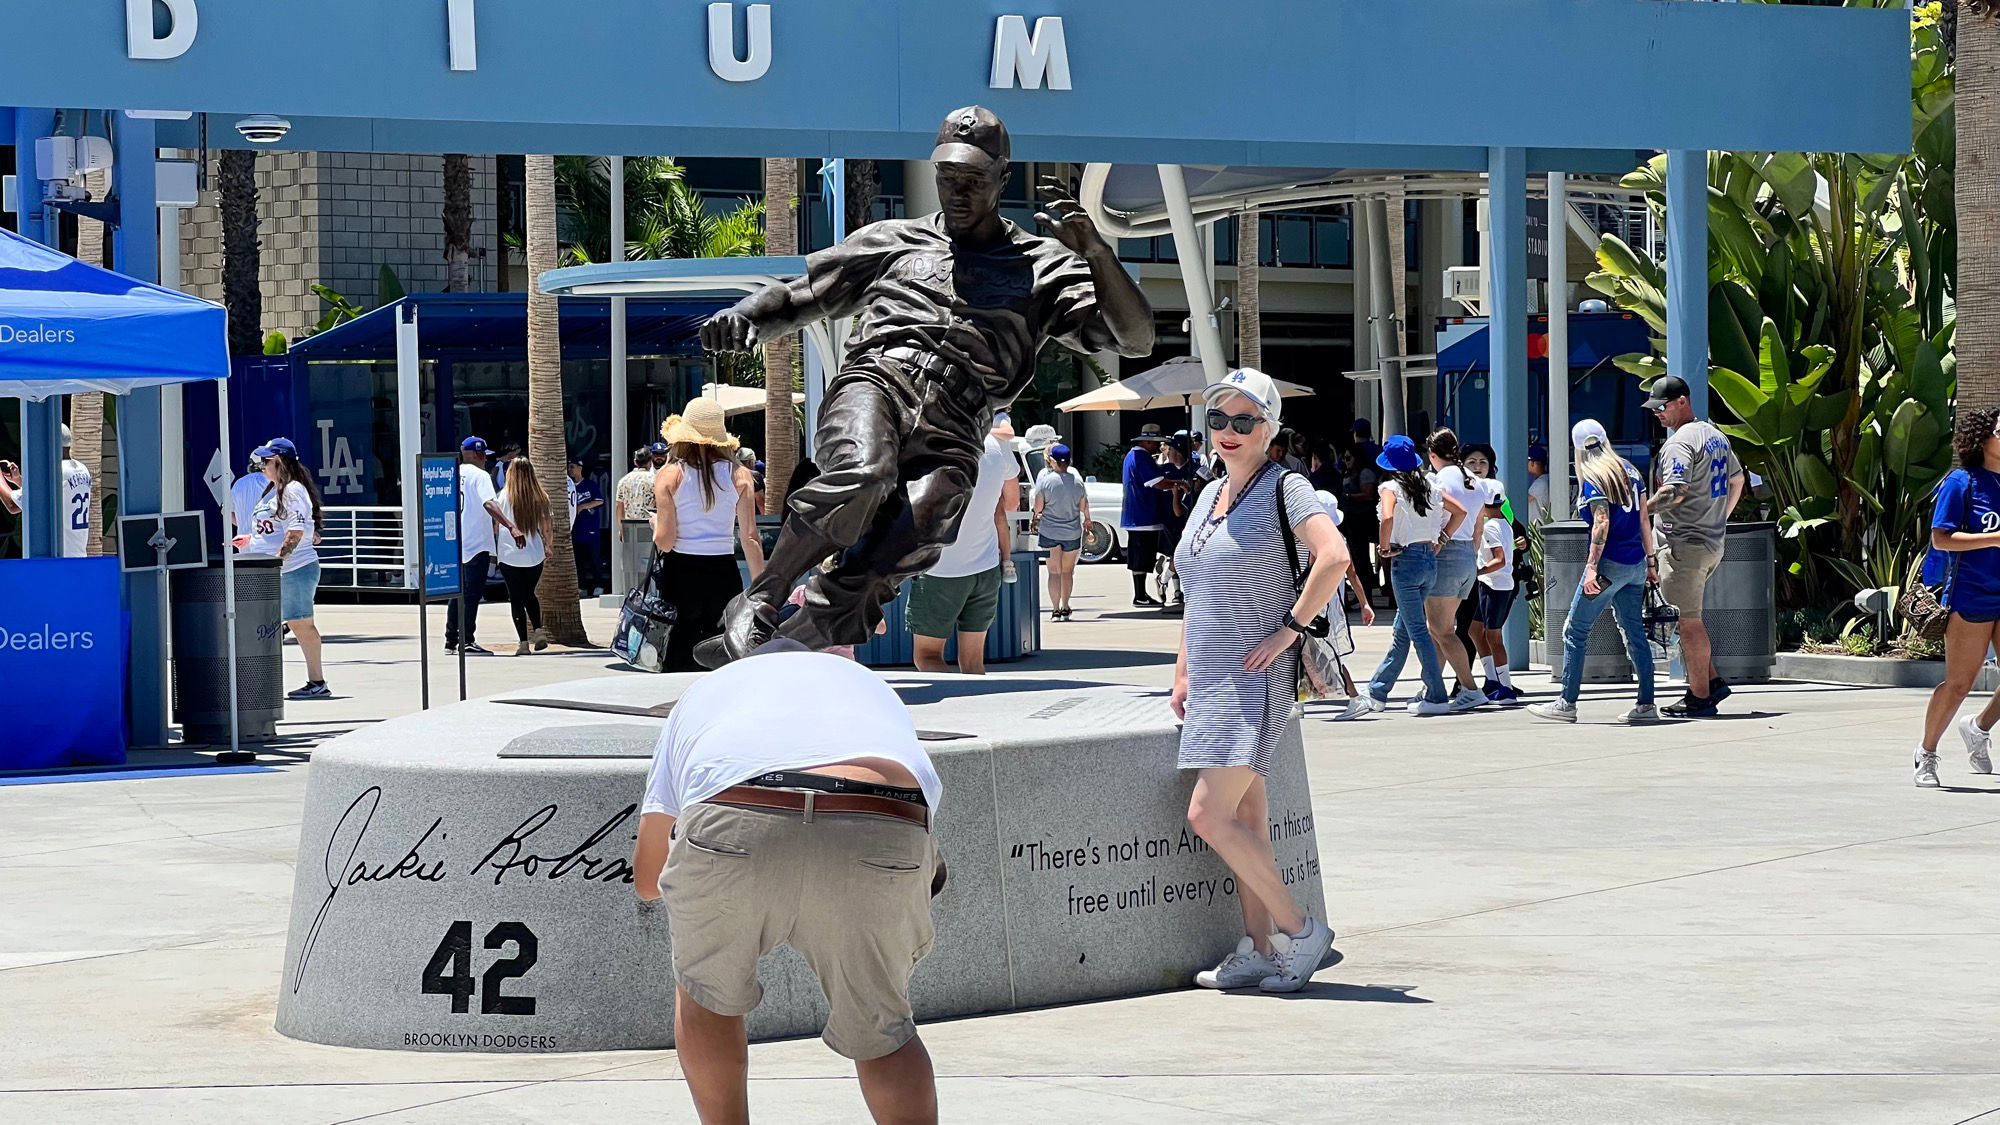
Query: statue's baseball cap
{"x": 1665, "y": 389}
{"x": 972, "y": 136}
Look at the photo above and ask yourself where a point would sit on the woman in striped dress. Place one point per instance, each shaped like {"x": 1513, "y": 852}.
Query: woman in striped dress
{"x": 1236, "y": 683}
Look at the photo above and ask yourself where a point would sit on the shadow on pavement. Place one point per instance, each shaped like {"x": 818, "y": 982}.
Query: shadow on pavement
{"x": 1366, "y": 993}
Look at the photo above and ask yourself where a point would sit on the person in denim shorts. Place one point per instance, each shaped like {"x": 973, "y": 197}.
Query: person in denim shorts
{"x": 1062, "y": 517}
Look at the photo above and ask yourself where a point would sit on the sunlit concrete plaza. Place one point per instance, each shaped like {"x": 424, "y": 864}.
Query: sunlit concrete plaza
{"x": 1755, "y": 918}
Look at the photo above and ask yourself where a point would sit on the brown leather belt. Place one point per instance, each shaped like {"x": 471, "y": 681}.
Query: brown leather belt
{"x": 811, "y": 803}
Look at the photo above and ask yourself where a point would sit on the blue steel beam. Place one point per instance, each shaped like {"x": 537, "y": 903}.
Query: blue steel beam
{"x": 1692, "y": 75}
{"x": 136, "y": 251}
{"x": 1507, "y": 300}
{"x": 1687, "y": 272}
{"x": 41, "y": 440}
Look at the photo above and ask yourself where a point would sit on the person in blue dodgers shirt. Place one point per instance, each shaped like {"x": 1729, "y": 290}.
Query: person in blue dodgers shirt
{"x": 1140, "y": 515}
{"x": 1612, "y": 497}
{"x": 1965, "y": 542}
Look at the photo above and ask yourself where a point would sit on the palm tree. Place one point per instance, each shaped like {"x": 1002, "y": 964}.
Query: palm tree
{"x": 781, "y": 431}
{"x": 1249, "y": 293}
{"x": 86, "y": 411}
{"x": 665, "y": 218}
{"x": 242, "y": 292}
{"x": 864, "y": 186}
{"x": 547, "y": 448}
{"x": 1978, "y": 202}
{"x": 457, "y": 222}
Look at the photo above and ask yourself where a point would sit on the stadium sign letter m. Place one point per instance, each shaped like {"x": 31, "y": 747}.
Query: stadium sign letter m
{"x": 1025, "y": 60}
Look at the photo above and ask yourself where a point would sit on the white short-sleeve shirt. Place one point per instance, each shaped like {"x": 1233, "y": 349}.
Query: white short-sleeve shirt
{"x": 475, "y": 523}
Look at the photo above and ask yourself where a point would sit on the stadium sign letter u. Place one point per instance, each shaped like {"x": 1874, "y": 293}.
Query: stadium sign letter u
{"x": 722, "y": 42}
{"x": 142, "y": 38}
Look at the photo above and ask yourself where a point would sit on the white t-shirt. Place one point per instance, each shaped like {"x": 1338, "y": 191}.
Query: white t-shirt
{"x": 977, "y": 548}
{"x": 729, "y": 726}
{"x": 534, "y": 554}
{"x": 1498, "y": 540}
{"x": 269, "y": 525}
{"x": 1538, "y": 498}
{"x": 1469, "y": 491}
{"x": 1410, "y": 527}
{"x": 243, "y": 497}
{"x": 76, "y": 509}
{"x": 475, "y": 523}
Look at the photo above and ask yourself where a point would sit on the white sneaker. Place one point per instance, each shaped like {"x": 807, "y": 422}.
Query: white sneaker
{"x": 1241, "y": 969}
{"x": 1978, "y": 744}
{"x": 1299, "y": 958}
{"x": 1555, "y": 710}
{"x": 1467, "y": 699}
{"x": 1642, "y": 713}
{"x": 1925, "y": 769}
{"x": 1421, "y": 706}
{"x": 1361, "y": 706}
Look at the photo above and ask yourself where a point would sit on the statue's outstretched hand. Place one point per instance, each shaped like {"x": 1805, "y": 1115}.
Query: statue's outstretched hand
{"x": 1066, "y": 219}
{"x": 728, "y": 331}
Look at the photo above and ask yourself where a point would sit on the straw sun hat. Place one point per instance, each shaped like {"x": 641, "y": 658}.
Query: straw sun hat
{"x": 700, "y": 424}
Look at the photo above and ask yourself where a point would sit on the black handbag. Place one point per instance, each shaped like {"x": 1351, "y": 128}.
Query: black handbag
{"x": 646, "y": 622}
{"x": 1925, "y": 606}
{"x": 1321, "y": 675}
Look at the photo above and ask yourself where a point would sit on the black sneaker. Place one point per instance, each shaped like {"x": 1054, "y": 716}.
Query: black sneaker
{"x": 314, "y": 689}
{"x": 1144, "y": 601}
{"x": 473, "y": 648}
{"x": 451, "y": 646}
{"x": 1718, "y": 690}
{"x": 1690, "y": 707}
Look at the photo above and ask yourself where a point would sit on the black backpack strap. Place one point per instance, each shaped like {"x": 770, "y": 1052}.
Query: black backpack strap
{"x": 1291, "y": 538}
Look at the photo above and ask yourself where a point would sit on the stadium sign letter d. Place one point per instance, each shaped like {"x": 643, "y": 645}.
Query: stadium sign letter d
{"x": 142, "y": 38}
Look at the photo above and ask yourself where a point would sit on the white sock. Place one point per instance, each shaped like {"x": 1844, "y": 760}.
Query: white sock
{"x": 1505, "y": 676}
{"x": 1486, "y": 662}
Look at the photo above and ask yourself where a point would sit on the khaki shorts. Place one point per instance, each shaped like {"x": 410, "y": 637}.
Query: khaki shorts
{"x": 1684, "y": 571}
{"x": 850, "y": 893}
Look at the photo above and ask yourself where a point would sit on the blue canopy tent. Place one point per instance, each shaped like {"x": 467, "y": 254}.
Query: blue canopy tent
{"x": 68, "y": 327}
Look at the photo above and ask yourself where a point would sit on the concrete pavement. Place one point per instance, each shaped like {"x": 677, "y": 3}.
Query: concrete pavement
{"x": 1755, "y": 918}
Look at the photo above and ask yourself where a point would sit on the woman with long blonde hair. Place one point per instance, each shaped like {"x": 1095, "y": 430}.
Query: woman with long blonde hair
{"x": 525, "y": 502}
{"x": 704, "y": 501}
{"x": 1615, "y": 574}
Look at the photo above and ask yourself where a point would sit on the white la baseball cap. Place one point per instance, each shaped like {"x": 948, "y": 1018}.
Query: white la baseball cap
{"x": 1586, "y": 432}
{"x": 1251, "y": 384}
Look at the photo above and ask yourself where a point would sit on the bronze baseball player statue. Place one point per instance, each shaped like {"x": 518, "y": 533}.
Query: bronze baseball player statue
{"x": 953, "y": 309}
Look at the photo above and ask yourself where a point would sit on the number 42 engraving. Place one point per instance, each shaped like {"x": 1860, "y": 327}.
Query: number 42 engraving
{"x": 450, "y": 970}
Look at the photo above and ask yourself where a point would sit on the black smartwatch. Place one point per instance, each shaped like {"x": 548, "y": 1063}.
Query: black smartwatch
{"x": 1292, "y": 623}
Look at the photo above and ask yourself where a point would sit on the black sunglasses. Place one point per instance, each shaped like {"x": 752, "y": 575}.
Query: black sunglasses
{"x": 1241, "y": 423}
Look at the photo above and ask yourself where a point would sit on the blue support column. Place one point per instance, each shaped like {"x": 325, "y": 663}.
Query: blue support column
{"x": 1687, "y": 272}
{"x": 41, "y": 440}
{"x": 136, "y": 252}
{"x": 1507, "y": 328}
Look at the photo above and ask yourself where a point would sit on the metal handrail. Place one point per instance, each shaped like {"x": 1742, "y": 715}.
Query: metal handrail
{"x": 362, "y": 547}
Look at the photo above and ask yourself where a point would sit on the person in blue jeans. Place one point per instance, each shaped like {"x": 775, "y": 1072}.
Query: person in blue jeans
{"x": 1415, "y": 515}
{"x": 1612, "y": 497}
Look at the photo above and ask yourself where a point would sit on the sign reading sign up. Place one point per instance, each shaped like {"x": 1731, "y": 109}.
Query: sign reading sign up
{"x": 439, "y": 474}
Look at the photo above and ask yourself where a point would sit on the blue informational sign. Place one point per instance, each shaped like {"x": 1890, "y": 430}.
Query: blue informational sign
{"x": 62, "y": 656}
{"x": 439, "y": 474}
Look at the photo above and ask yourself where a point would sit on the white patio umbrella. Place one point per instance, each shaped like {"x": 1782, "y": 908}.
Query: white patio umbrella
{"x": 1177, "y": 382}
{"x": 742, "y": 400}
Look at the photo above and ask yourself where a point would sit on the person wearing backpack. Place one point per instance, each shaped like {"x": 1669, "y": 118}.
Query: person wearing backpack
{"x": 1965, "y": 558}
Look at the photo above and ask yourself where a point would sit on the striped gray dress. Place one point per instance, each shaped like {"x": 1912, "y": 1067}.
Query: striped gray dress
{"x": 1239, "y": 585}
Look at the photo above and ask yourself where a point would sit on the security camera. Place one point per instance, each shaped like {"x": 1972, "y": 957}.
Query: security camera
{"x": 263, "y": 128}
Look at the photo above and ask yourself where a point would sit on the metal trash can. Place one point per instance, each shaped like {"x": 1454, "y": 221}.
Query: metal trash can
{"x": 201, "y": 653}
{"x": 635, "y": 547}
{"x": 1740, "y": 604}
{"x": 1565, "y": 548}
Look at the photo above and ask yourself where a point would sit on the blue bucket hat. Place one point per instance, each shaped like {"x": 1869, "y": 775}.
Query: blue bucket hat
{"x": 1399, "y": 455}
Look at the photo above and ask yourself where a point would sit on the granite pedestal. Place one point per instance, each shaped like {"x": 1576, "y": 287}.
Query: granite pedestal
{"x": 464, "y": 880}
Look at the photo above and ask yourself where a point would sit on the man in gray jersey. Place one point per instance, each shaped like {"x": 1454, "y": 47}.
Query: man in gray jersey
{"x": 1697, "y": 481}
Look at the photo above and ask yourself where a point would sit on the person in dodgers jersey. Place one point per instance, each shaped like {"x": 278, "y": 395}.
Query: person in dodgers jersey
{"x": 1697, "y": 481}
{"x": 76, "y": 493}
{"x": 1965, "y": 558}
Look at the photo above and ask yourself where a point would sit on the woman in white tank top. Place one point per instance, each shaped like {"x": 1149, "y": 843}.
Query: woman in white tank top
{"x": 703, "y": 503}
